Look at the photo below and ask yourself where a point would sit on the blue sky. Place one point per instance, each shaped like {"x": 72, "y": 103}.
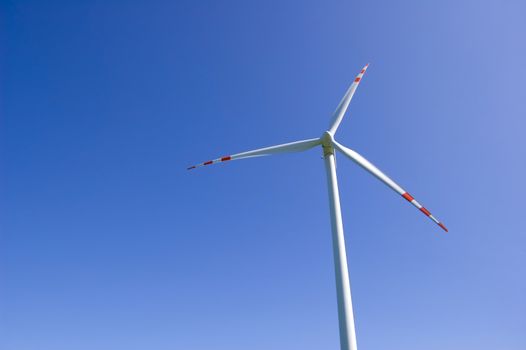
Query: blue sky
{"x": 107, "y": 242}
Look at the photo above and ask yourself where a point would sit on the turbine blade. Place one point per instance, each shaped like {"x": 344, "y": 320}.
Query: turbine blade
{"x": 344, "y": 103}
{"x": 297, "y": 146}
{"x": 364, "y": 163}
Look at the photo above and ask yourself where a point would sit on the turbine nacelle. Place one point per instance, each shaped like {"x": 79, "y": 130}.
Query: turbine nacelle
{"x": 327, "y": 142}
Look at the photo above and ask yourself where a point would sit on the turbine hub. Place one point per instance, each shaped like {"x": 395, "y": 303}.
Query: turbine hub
{"x": 327, "y": 143}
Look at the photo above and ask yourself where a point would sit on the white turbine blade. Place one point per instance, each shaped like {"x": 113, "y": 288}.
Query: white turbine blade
{"x": 344, "y": 103}
{"x": 364, "y": 163}
{"x": 297, "y": 146}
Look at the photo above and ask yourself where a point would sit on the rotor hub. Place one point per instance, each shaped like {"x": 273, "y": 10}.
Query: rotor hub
{"x": 327, "y": 140}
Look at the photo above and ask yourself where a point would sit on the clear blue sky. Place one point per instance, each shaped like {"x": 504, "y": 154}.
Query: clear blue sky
{"x": 107, "y": 242}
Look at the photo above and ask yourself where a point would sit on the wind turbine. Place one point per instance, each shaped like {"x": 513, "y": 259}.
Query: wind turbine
{"x": 329, "y": 145}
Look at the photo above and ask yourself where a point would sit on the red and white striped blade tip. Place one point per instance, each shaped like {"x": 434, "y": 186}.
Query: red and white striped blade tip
{"x": 219, "y": 160}
{"x": 426, "y": 212}
{"x": 360, "y": 75}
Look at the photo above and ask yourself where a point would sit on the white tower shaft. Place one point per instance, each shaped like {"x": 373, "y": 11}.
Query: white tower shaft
{"x": 343, "y": 286}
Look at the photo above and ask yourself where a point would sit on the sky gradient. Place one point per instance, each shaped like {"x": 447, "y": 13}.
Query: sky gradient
{"x": 107, "y": 242}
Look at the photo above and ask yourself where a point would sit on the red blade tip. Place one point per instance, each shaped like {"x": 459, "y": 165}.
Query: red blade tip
{"x": 443, "y": 227}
